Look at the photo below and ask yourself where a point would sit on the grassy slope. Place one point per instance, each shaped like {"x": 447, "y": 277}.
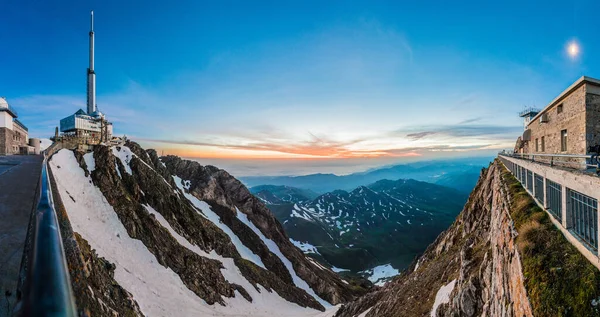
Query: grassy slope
{"x": 559, "y": 280}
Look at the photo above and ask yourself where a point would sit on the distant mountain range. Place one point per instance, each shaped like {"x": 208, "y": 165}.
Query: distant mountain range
{"x": 460, "y": 174}
{"x": 385, "y": 222}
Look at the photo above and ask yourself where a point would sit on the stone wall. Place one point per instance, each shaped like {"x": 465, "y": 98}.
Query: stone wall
{"x": 5, "y": 141}
{"x": 572, "y": 118}
{"x": 592, "y": 103}
{"x": 12, "y": 140}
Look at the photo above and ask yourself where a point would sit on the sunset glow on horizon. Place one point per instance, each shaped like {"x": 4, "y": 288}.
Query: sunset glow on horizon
{"x": 283, "y": 81}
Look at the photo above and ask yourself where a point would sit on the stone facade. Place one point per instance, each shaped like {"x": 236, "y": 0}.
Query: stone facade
{"x": 576, "y": 110}
{"x": 13, "y": 141}
{"x": 592, "y": 103}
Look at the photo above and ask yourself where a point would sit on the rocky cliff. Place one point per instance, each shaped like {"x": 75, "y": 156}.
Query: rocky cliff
{"x": 472, "y": 269}
{"x": 164, "y": 236}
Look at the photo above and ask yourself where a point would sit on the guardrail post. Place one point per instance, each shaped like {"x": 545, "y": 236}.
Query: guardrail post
{"x": 545, "y": 193}
{"x": 566, "y": 220}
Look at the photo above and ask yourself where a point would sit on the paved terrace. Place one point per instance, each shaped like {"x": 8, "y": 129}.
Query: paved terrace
{"x": 19, "y": 177}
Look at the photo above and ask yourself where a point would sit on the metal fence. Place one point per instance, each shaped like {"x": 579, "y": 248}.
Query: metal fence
{"x": 577, "y": 161}
{"x": 554, "y": 199}
{"x": 583, "y": 211}
{"x": 539, "y": 188}
{"x": 44, "y": 287}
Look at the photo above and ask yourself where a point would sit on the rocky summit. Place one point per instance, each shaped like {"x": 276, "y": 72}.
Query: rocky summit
{"x": 165, "y": 236}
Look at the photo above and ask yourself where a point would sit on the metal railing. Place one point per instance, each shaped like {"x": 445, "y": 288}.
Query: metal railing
{"x": 565, "y": 160}
{"x": 7, "y": 107}
{"x": 44, "y": 287}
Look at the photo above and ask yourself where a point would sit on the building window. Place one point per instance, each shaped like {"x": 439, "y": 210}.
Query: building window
{"x": 563, "y": 140}
{"x": 559, "y": 109}
{"x": 537, "y": 145}
{"x": 543, "y": 145}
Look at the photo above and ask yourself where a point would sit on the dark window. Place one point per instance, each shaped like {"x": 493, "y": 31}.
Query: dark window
{"x": 543, "y": 145}
{"x": 537, "y": 145}
{"x": 563, "y": 140}
{"x": 559, "y": 109}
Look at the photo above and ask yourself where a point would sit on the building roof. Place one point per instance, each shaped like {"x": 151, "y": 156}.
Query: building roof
{"x": 4, "y": 106}
{"x": 578, "y": 83}
{"x": 20, "y": 124}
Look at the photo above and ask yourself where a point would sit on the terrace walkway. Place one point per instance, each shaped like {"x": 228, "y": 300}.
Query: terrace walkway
{"x": 19, "y": 179}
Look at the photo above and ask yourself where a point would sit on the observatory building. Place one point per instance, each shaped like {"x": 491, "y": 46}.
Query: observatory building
{"x": 91, "y": 125}
{"x": 13, "y": 134}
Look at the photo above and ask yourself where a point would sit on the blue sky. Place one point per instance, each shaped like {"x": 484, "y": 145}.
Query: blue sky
{"x": 353, "y": 83}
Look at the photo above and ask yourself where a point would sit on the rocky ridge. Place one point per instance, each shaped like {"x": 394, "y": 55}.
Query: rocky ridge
{"x": 474, "y": 265}
{"x": 140, "y": 186}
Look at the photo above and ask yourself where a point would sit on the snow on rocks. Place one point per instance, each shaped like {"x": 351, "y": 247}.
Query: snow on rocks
{"x": 442, "y": 297}
{"x": 89, "y": 161}
{"x": 124, "y": 154}
{"x": 158, "y": 290}
{"x": 204, "y": 209}
{"x": 275, "y": 250}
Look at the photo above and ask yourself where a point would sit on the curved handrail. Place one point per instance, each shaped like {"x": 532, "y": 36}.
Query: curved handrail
{"x": 46, "y": 288}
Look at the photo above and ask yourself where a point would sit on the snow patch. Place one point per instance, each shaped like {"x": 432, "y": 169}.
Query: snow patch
{"x": 275, "y": 250}
{"x": 90, "y": 161}
{"x": 442, "y": 296}
{"x": 44, "y": 144}
{"x": 380, "y": 274}
{"x": 305, "y": 246}
{"x": 204, "y": 209}
{"x": 125, "y": 155}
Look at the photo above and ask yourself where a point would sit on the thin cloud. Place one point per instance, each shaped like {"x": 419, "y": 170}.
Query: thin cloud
{"x": 420, "y": 135}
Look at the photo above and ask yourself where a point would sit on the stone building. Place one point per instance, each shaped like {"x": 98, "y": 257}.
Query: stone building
{"x": 570, "y": 124}
{"x": 13, "y": 134}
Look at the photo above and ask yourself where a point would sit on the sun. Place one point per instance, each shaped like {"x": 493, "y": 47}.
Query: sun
{"x": 573, "y": 49}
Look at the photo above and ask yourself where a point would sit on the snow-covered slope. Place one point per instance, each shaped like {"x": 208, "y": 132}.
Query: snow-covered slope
{"x": 178, "y": 249}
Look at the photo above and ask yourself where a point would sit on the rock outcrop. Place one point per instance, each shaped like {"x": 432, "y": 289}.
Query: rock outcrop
{"x": 477, "y": 258}
{"x": 225, "y": 193}
{"x": 139, "y": 186}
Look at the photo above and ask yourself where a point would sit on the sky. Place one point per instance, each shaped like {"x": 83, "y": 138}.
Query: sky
{"x": 294, "y": 87}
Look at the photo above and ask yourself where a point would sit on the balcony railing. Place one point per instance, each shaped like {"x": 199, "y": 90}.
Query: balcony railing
{"x": 578, "y": 161}
{"x": 44, "y": 287}
{"x": 570, "y": 197}
{"x": 7, "y": 107}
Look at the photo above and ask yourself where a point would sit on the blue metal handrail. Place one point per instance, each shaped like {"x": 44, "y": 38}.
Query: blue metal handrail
{"x": 46, "y": 287}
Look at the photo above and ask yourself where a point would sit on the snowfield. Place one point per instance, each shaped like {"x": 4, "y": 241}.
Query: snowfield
{"x": 158, "y": 290}
{"x": 381, "y": 274}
